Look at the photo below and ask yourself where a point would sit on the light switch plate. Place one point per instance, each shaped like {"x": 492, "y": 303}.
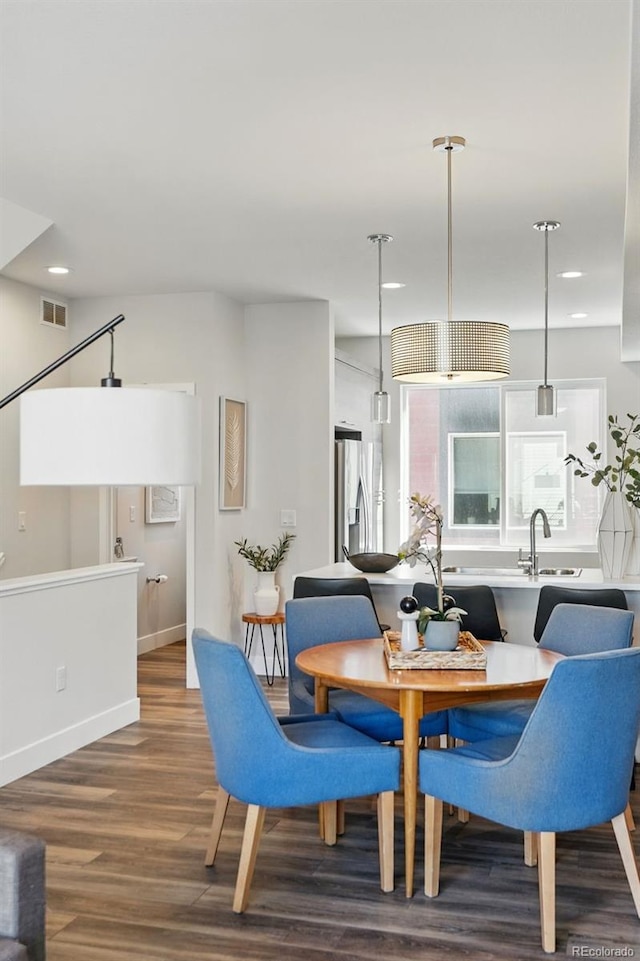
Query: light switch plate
{"x": 287, "y": 518}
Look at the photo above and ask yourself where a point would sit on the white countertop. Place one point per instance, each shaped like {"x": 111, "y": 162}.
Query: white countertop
{"x": 403, "y": 575}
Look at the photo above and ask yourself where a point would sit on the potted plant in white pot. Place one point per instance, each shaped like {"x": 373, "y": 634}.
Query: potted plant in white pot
{"x": 265, "y": 561}
{"x": 622, "y": 482}
{"x": 440, "y": 627}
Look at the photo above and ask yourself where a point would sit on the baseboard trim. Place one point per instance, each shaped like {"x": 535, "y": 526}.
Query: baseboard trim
{"x": 161, "y": 638}
{"x": 34, "y": 756}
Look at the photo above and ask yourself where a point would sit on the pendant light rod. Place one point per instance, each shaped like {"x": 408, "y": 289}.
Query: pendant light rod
{"x": 380, "y": 239}
{"x": 449, "y": 145}
{"x": 449, "y": 239}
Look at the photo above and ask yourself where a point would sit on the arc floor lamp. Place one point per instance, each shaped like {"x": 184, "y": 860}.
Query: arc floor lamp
{"x": 108, "y": 435}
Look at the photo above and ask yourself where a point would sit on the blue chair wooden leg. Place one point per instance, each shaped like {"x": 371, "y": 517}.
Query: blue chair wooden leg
{"x": 250, "y": 843}
{"x": 222, "y": 803}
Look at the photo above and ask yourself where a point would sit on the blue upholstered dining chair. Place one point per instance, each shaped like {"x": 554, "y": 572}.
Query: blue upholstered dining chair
{"x": 568, "y": 770}
{"x": 312, "y": 621}
{"x": 571, "y": 629}
{"x": 552, "y": 594}
{"x": 273, "y": 763}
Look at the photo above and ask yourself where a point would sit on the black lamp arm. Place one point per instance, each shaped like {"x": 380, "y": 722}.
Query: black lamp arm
{"x": 108, "y": 328}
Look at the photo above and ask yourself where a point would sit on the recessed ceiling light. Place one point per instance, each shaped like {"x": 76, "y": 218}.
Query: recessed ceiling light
{"x": 578, "y": 316}
{"x": 392, "y": 285}
{"x": 58, "y": 270}
{"x": 570, "y": 274}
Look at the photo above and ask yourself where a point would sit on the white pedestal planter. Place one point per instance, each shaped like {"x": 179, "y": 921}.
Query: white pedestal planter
{"x": 266, "y": 597}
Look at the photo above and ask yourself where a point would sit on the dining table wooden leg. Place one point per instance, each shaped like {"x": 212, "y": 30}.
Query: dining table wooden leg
{"x": 321, "y": 697}
{"x": 411, "y": 711}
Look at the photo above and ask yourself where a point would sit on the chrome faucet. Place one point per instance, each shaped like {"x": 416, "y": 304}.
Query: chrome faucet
{"x": 530, "y": 564}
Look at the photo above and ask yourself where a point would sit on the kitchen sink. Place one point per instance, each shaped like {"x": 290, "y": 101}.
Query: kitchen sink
{"x": 513, "y": 571}
{"x": 486, "y": 571}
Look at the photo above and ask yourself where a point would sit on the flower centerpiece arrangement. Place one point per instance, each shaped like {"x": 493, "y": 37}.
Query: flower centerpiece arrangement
{"x": 622, "y": 482}
{"x": 427, "y": 517}
{"x": 265, "y": 561}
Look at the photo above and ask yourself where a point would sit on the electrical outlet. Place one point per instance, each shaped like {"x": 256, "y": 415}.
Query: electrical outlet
{"x": 132, "y": 514}
{"x": 22, "y": 520}
{"x": 287, "y": 518}
{"x": 61, "y": 678}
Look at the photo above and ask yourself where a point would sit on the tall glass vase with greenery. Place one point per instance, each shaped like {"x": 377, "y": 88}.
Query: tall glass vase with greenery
{"x": 621, "y": 478}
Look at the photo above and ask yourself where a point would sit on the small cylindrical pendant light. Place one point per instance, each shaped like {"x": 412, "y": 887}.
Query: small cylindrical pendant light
{"x": 381, "y": 402}
{"x": 546, "y": 399}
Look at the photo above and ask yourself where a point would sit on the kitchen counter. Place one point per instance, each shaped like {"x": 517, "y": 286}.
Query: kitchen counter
{"x": 516, "y": 594}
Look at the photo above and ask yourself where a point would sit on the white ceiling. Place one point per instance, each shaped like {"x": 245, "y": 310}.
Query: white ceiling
{"x": 250, "y": 146}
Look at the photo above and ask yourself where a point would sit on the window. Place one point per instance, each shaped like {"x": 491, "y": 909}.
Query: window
{"x": 490, "y": 462}
{"x": 474, "y": 479}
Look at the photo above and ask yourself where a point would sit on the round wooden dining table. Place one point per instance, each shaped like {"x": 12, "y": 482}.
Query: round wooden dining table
{"x": 512, "y": 671}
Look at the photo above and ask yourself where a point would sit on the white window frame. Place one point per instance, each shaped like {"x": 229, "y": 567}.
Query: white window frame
{"x": 572, "y": 484}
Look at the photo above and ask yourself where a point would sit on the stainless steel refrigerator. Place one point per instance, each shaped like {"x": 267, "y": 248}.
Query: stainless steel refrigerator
{"x": 355, "y": 523}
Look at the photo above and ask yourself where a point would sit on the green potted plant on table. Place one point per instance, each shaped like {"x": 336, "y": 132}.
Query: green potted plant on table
{"x": 619, "y": 518}
{"x": 440, "y": 626}
{"x": 265, "y": 561}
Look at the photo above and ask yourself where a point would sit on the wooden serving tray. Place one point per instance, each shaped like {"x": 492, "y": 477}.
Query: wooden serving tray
{"x": 469, "y": 655}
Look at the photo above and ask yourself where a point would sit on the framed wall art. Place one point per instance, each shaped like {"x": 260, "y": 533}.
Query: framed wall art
{"x": 233, "y": 454}
{"x": 161, "y": 505}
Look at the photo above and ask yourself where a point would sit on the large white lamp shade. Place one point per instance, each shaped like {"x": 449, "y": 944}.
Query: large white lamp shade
{"x": 113, "y": 436}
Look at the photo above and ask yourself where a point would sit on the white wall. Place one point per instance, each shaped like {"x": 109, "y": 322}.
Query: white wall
{"x": 43, "y": 716}
{"x": 280, "y": 360}
{"x": 289, "y": 358}
{"x": 584, "y": 352}
{"x": 176, "y": 338}
{"x": 26, "y": 346}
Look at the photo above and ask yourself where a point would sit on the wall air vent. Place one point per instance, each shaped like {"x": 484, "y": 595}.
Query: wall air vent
{"x": 53, "y": 313}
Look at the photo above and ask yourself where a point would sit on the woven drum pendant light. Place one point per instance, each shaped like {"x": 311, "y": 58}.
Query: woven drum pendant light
{"x": 439, "y": 351}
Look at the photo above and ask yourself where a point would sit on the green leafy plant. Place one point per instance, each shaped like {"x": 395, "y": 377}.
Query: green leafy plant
{"x": 624, "y": 474}
{"x": 265, "y": 558}
{"x": 427, "y": 614}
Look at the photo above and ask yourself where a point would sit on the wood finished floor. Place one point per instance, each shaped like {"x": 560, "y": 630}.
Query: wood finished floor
{"x": 126, "y": 821}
